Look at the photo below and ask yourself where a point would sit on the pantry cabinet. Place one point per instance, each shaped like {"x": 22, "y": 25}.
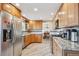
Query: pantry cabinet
{"x": 68, "y": 15}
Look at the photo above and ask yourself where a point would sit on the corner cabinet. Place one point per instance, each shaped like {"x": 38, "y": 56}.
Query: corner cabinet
{"x": 68, "y": 15}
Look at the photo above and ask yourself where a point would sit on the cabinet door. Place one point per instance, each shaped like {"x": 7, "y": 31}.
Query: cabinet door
{"x": 54, "y": 48}
{"x": 32, "y": 38}
{"x": 70, "y": 14}
{"x": 0, "y": 6}
{"x": 73, "y": 14}
{"x": 63, "y": 16}
{"x": 76, "y": 22}
{"x": 72, "y": 54}
{"x": 38, "y": 38}
{"x": 57, "y": 50}
{"x": 27, "y": 40}
{"x": 60, "y": 16}
{"x": 65, "y": 19}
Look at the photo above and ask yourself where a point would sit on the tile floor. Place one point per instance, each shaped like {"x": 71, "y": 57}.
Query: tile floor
{"x": 38, "y": 49}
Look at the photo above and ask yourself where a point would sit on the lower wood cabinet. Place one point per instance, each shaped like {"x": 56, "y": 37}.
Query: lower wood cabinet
{"x": 32, "y": 38}
{"x": 27, "y": 40}
{"x": 59, "y": 51}
{"x": 71, "y": 53}
{"x": 38, "y": 38}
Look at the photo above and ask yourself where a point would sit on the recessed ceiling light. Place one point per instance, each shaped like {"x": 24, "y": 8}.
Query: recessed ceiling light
{"x": 8, "y": 6}
{"x": 17, "y": 4}
{"x": 61, "y": 13}
{"x": 51, "y": 13}
{"x": 70, "y": 16}
{"x": 35, "y": 9}
{"x": 40, "y": 17}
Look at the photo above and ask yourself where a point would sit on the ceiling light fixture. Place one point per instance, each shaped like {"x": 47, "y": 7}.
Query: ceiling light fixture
{"x": 70, "y": 16}
{"x": 40, "y": 17}
{"x": 51, "y": 13}
{"x": 8, "y": 6}
{"x": 61, "y": 13}
{"x": 17, "y": 4}
{"x": 35, "y": 9}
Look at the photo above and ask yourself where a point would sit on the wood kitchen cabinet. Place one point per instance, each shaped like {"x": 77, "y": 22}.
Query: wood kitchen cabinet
{"x": 71, "y": 53}
{"x": 62, "y": 15}
{"x": 35, "y": 24}
{"x": 72, "y": 11}
{"x": 68, "y": 15}
{"x": 73, "y": 14}
{"x": 39, "y": 38}
{"x": 60, "y": 47}
{"x": 27, "y": 40}
{"x": 76, "y": 14}
{"x": 36, "y": 38}
{"x": 57, "y": 50}
{"x": 32, "y": 38}
{"x": 0, "y": 7}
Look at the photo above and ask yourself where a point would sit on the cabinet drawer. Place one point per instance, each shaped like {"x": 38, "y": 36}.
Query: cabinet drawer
{"x": 72, "y": 53}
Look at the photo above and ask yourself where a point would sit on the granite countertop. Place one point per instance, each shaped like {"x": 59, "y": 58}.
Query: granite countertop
{"x": 66, "y": 44}
{"x": 33, "y": 32}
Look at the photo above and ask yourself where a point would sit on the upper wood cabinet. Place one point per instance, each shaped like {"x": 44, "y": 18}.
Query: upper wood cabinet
{"x": 63, "y": 16}
{"x": 71, "y": 14}
{"x": 10, "y": 8}
{"x": 68, "y": 15}
{"x": 0, "y": 7}
{"x": 35, "y": 24}
{"x": 76, "y": 16}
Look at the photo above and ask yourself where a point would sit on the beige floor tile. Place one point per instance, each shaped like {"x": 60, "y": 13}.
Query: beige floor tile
{"x": 38, "y": 49}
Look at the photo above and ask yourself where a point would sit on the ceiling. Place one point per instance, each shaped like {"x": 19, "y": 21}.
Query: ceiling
{"x": 42, "y": 10}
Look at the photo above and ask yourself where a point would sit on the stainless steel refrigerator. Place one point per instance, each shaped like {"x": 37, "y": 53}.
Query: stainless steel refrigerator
{"x": 17, "y": 25}
{"x": 6, "y": 30}
{"x": 10, "y": 34}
